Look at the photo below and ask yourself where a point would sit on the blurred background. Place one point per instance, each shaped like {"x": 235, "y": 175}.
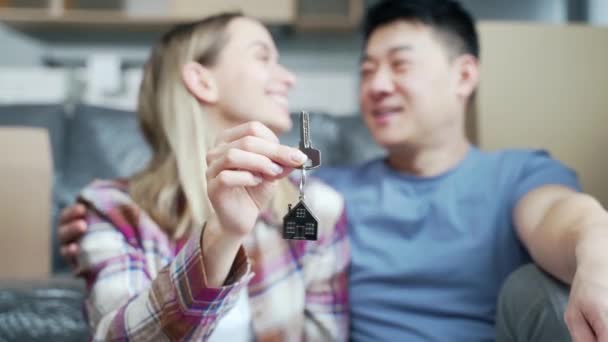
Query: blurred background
{"x": 70, "y": 72}
{"x": 318, "y": 39}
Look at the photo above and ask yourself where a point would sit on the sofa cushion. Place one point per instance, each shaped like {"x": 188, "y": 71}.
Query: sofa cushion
{"x": 102, "y": 143}
{"x": 356, "y": 143}
{"x": 49, "y": 310}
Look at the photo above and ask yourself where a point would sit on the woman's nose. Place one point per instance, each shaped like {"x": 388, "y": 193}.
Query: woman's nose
{"x": 286, "y": 76}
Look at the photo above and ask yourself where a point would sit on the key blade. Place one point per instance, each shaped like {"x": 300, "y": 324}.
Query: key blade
{"x": 304, "y": 130}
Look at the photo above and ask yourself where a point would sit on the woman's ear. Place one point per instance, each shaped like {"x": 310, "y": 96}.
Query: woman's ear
{"x": 200, "y": 82}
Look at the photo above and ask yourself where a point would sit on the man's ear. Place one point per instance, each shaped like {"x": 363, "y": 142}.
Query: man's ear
{"x": 468, "y": 75}
{"x": 200, "y": 82}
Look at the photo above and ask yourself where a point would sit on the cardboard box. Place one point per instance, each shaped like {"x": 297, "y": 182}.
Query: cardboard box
{"x": 546, "y": 86}
{"x": 25, "y": 203}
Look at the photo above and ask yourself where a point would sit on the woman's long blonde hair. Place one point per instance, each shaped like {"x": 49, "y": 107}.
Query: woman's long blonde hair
{"x": 171, "y": 189}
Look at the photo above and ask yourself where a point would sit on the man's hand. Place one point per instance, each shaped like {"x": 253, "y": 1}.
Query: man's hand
{"x": 587, "y": 311}
{"x": 567, "y": 235}
{"x": 71, "y": 228}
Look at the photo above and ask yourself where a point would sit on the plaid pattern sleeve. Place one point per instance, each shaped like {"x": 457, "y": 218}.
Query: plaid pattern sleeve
{"x": 127, "y": 299}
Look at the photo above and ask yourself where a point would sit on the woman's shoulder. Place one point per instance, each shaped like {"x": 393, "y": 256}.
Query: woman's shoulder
{"x": 326, "y": 203}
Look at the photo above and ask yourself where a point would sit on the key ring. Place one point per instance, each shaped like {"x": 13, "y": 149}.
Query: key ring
{"x": 302, "y": 183}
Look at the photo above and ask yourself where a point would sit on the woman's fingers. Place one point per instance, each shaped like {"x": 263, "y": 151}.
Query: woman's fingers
{"x": 236, "y": 159}
{"x": 254, "y": 149}
{"x": 274, "y": 153}
{"x": 233, "y": 178}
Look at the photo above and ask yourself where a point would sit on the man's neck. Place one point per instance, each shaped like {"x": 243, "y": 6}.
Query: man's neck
{"x": 428, "y": 161}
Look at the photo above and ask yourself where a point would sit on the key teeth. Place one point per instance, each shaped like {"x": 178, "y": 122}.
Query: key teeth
{"x": 304, "y": 130}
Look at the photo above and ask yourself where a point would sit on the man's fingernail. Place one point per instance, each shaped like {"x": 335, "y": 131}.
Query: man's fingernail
{"x": 298, "y": 156}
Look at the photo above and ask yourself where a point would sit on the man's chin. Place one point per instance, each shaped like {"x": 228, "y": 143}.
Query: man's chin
{"x": 391, "y": 142}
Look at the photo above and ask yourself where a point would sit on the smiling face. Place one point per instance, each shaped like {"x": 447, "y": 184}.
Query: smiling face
{"x": 412, "y": 92}
{"x": 251, "y": 83}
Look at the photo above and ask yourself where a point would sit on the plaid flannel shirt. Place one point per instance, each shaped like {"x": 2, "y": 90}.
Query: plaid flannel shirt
{"x": 144, "y": 286}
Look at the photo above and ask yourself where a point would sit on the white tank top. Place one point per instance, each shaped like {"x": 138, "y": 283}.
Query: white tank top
{"x": 235, "y": 326}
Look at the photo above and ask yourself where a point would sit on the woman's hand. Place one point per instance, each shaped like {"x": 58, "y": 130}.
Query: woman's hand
{"x": 242, "y": 169}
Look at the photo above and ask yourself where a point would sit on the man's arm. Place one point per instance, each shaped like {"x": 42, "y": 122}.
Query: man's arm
{"x": 72, "y": 226}
{"x": 567, "y": 234}
{"x": 559, "y": 226}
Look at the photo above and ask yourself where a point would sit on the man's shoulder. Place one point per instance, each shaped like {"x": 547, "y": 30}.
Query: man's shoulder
{"x": 528, "y": 168}
{"x": 513, "y": 159}
{"x": 513, "y": 153}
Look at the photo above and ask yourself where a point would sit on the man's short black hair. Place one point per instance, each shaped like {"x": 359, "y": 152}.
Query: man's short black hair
{"x": 448, "y": 18}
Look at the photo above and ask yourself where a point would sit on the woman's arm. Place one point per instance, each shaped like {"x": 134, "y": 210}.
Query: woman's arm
{"x": 125, "y": 301}
{"x": 243, "y": 168}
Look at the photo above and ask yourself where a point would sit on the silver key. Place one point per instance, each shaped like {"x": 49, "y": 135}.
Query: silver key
{"x": 300, "y": 223}
{"x": 314, "y": 155}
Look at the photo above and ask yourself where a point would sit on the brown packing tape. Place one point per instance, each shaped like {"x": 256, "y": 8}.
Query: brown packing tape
{"x": 25, "y": 203}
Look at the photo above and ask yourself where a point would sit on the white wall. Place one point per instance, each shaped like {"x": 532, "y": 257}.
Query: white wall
{"x": 597, "y": 12}
{"x": 550, "y": 11}
{"x": 19, "y": 49}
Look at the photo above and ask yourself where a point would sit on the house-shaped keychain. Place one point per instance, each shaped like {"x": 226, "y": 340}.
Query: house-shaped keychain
{"x": 299, "y": 223}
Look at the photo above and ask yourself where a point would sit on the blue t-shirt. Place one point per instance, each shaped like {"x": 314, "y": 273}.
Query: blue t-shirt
{"x": 429, "y": 255}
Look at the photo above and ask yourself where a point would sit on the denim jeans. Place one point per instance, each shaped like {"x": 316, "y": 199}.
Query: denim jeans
{"x": 531, "y": 307}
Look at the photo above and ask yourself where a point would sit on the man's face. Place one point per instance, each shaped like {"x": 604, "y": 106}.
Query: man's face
{"x": 410, "y": 89}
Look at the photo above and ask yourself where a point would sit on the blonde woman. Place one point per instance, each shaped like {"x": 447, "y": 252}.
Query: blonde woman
{"x": 190, "y": 248}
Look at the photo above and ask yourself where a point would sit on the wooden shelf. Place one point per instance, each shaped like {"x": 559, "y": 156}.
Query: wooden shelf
{"x": 43, "y": 18}
{"x": 60, "y": 15}
{"x": 35, "y": 18}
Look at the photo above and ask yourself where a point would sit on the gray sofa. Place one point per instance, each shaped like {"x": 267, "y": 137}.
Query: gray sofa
{"x": 93, "y": 142}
